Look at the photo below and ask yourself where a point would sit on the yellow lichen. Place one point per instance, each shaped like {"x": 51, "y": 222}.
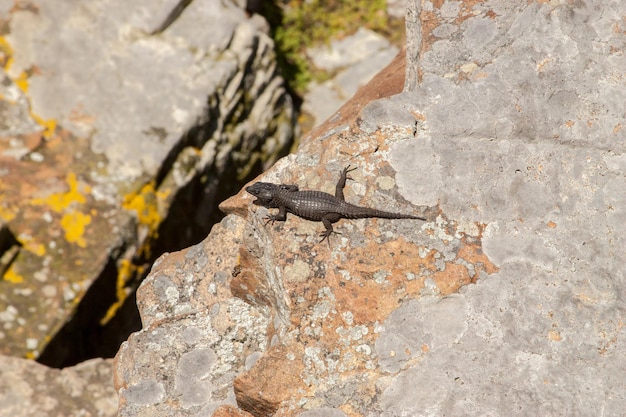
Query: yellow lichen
{"x": 22, "y": 82}
{"x": 146, "y": 204}
{"x": 62, "y": 200}
{"x": 126, "y": 271}
{"x": 31, "y": 245}
{"x": 12, "y": 276}
{"x": 74, "y": 224}
{"x": 49, "y": 125}
{"x": 7, "y": 51}
{"x": 7, "y": 213}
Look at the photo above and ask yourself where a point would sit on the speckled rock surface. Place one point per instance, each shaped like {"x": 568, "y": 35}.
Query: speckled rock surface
{"x": 28, "y": 389}
{"x": 193, "y": 327}
{"x": 509, "y": 300}
{"x": 115, "y": 142}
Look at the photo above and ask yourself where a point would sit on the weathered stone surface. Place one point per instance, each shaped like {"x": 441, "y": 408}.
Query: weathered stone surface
{"x": 193, "y": 327}
{"x": 354, "y": 60}
{"x": 115, "y": 145}
{"x": 28, "y": 389}
{"x": 510, "y": 299}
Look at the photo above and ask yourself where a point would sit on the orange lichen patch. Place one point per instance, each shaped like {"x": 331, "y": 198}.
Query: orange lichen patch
{"x": 60, "y": 201}
{"x": 418, "y": 116}
{"x": 74, "y": 224}
{"x": 378, "y": 281}
{"x": 551, "y": 225}
{"x": 473, "y": 253}
{"x": 467, "y": 11}
{"x": 249, "y": 282}
{"x": 452, "y": 278}
{"x": 230, "y": 411}
{"x": 274, "y": 377}
{"x": 554, "y": 336}
{"x": 430, "y": 21}
{"x": 617, "y": 128}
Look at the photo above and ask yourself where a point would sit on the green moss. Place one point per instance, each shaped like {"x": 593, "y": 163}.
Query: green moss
{"x": 300, "y": 24}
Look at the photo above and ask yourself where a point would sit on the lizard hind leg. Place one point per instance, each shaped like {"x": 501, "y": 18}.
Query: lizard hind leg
{"x": 328, "y": 221}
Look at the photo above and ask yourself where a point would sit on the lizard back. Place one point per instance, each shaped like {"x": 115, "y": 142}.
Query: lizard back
{"x": 314, "y": 205}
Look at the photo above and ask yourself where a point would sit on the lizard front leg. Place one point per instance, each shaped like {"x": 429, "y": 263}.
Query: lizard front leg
{"x": 281, "y": 216}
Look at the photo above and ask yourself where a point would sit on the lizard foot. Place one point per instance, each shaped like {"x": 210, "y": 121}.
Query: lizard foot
{"x": 325, "y": 235}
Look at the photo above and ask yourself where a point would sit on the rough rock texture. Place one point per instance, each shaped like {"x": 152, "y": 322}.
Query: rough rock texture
{"x": 28, "y": 389}
{"x": 354, "y": 60}
{"x": 510, "y": 300}
{"x": 119, "y": 126}
{"x": 193, "y": 327}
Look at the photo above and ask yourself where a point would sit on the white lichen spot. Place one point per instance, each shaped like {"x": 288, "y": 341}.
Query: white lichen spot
{"x": 172, "y": 294}
{"x": 348, "y": 317}
{"x": 41, "y": 275}
{"x": 49, "y": 291}
{"x": 381, "y": 276}
{"x": 491, "y": 230}
{"x": 31, "y": 343}
{"x": 364, "y": 349}
{"x": 184, "y": 308}
{"x": 9, "y": 314}
{"x": 468, "y": 228}
{"x": 68, "y": 294}
{"x": 385, "y": 182}
{"x": 300, "y": 271}
{"x": 358, "y": 332}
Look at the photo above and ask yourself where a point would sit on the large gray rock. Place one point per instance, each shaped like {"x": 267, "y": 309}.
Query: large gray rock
{"x": 509, "y": 300}
{"x": 354, "y": 61}
{"x": 121, "y": 128}
{"x": 28, "y": 389}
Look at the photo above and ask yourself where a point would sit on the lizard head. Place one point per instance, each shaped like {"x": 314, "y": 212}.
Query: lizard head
{"x": 264, "y": 193}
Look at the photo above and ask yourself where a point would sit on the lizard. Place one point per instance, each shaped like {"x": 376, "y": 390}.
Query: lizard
{"x": 315, "y": 205}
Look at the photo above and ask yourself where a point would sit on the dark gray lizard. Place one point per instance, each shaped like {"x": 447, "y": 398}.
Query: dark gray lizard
{"x": 315, "y": 205}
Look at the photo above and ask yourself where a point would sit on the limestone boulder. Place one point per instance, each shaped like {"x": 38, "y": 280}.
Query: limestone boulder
{"x": 123, "y": 125}
{"x": 508, "y": 300}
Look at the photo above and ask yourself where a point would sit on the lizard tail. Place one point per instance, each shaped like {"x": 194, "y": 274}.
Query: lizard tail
{"x": 366, "y": 212}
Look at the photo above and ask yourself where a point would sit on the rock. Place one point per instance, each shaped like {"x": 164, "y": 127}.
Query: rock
{"x": 195, "y": 328}
{"x": 397, "y": 8}
{"x": 31, "y": 389}
{"x": 355, "y": 59}
{"x": 509, "y": 300}
{"x": 116, "y": 145}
